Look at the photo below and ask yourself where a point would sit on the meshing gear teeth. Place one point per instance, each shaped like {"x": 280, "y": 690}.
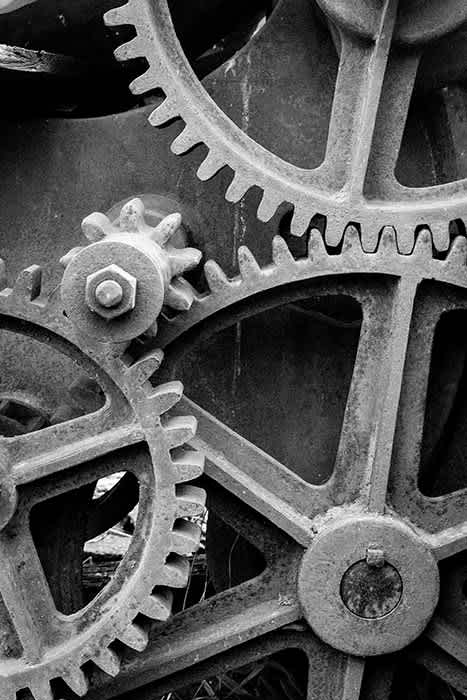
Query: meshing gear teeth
{"x": 254, "y": 166}
{"x": 156, "y": 560}
{"x": 319, "y": 262}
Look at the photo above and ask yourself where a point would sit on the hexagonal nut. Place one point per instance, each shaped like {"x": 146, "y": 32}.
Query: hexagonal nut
{"x": 125, "y": 280}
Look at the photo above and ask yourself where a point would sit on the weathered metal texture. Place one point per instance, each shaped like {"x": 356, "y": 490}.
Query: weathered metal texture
{"x": 290, "y": 521}
{"x": 59, "y": 459}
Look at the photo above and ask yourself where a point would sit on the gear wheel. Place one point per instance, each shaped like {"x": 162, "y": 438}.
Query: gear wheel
{"x": 43, "y": 464}
{"x": 356, "y": 181}
{"x": 370, "y": 512}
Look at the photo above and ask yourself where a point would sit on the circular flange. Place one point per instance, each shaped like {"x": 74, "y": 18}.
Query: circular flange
{"x": 8, "y": 495}
{"x": 407, "y": 600}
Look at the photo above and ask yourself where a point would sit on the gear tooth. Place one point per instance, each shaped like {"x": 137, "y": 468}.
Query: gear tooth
{"x": 268, "y": 206}
{"x": 164, "y": 113}
{"x": 189, "y": 464}
{"x": 300, "y": 221}
{"x": 28, "y": 283}
{"x": 351, "y": 242}
{"x": 176, "y": 571}
{"x": 185, "y": 537}
{"x": 145, "y": 367}
{"x": 281, "y": 254}
{"x": 440, "y": 235}
{"x": 423, "y": 248}
{"x": 334, "y": 231}
{"x": 3, "y": 279}
{"x": 180, "y": 430}
{"x": 166, "y": 396}
{"x": 131, "y": 219}
{"x": 249, "y": 268}
{"x": 405, "y": 238}
{"x": 77, "y": 681}
{"x": 457, "y": 256}
{"x": 179, "y": 295}
{"x": 145, "y": 82}
{"x": 132, "y": 49}
{"x": 186, "y": 140}
{"x": 167, "y": 228}
{"x": 210, "y": 166}
{"x": 108, "y": 661}
{"x": 215, "y": 277}
{"x": 134, "y": 637}
{"x": 118, "y": 16}
{"x": 96, "y": 226}
{"x": 41, "y": 689}
{"x": 237, "y": 189}
{"x": 191, "y": 501}
{"x": 388, "y": 241}
{"x": 316, "y": 246}
{"x": 184, "y": 259}
{"x": 369, "y": 238}
{"x": 159, "y": 605}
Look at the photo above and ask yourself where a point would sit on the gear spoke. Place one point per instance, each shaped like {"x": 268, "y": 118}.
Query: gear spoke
{"x": 25, "y": 592}
{"x": 378, "y": 424}
{"x": 441, "y": 664}
{"x": 448, "y": 638}
{"x": 68, "y": 445}
{"x": 220, "y": 624}
{"x": 254, "y": 476}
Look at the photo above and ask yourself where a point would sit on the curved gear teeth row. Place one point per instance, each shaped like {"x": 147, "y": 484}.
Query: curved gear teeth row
{"x": 176, "y": 106}
{"x": 25, "y": 301}
{"x": 386, "y": 258}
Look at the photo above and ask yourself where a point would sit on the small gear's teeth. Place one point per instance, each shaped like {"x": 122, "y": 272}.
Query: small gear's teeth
{"x": 159, "y": 605}
{"x": 28, "y": 283}
{"x": 164, "y": 113}
{"x": 66, "y": 259}
{"x": 185, "y": 537}
{"x": 118, "y": 16}
{"x": 388, "y": 241}
{"x": 167, "y": 228}
{"x": 96, "y": 227}
{"x": 144, "y": 83}
{"x": 440, "y": 235}
{"x": 189, "y": 464}
{"x": 184, "y": 259}
{"x": 180, "y": 429}
{"x": 351, "y": 240}
{"x": 108, "y": 661}
{"x": 237, "y": 189}
{"x": 77, "y": 681}
{"x": 134, "y": 637}
{"x": 281, "y": 254}
{"x": 210, "y": 166}
{"x": 316, "y": 246}
{"x": 405, "y": 238}
{"x": 40, "y": 689}
{"x": 132, "y": 49}
{"x": 215, "y": 277}
{"x": 249, "y": 268}
{"x": 179, "y": 295}
{"x": 186, "y": 140}
{"x": 166, "y": 396}
{"x": 191, "y": 501}
{"x": 146, "y": 366}
{"x": 131, "y": 219}
{"x": 300, "y": 222}
{"x": 423, "y": 248}
{"x": 457, "y": 256}
{"x": 267, "y": 207}
{"x": 175, "y": 572}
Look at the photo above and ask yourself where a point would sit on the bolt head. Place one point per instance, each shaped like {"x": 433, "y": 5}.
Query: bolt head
{"x": 111, "y": 292}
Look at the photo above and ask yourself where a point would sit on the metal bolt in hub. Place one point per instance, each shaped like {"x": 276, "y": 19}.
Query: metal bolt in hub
{"x": 109, "y": 293}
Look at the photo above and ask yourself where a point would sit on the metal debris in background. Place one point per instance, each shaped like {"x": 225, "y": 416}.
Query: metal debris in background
{"x": 325, "y": 367}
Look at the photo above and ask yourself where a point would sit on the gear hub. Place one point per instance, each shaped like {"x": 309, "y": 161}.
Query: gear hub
{"x": 356, "y": 606}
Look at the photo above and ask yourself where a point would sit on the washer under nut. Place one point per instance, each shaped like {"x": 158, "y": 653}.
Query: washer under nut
{"x": 114, "y": 289}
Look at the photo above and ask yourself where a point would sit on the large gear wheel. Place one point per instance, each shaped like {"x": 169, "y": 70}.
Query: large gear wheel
{"x": 46, "y": 645}
{"x": 320, "y": 542}
{"x": 380, "y": 49}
